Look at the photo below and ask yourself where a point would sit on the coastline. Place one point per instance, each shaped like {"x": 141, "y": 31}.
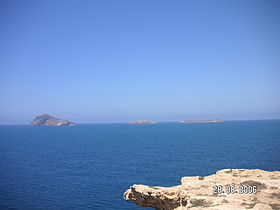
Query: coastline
{"x": 226, "y": 189}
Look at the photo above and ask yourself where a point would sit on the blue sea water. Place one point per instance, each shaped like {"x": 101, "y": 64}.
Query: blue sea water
{"x": 90, "y": 166}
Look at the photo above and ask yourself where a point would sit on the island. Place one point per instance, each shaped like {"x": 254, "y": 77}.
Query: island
{"x": 143, "y": 122}
{"x": 233, "y": 189}
{"x": 200, "y": 121}
{"x": 47, "y": 120}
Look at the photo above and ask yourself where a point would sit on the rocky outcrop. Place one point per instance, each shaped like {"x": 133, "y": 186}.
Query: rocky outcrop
{"x": 47, "y": 120}
{"x": 143, "y": 122}
{"x": 227, "y": 189}
{"x": 200, "y": 121}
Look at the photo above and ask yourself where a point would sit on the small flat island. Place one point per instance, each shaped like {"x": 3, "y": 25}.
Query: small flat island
{"x": 47, "y": 120}
{"x": 143, "y": 122}
{"x": 200, "y": 121}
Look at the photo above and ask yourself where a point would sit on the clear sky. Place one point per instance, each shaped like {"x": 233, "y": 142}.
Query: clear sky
{"x": 114, "y": 61}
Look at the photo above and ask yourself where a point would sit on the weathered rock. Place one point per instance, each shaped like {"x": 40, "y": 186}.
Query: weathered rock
{"x": 47, "y": 120}
{"x": 198, "y": 192}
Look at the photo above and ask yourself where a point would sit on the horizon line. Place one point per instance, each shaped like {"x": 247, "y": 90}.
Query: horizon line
{"x": 126, "y": 122}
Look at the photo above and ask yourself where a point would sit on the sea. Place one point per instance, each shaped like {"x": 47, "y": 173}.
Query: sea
{"x": 90, "y": 166}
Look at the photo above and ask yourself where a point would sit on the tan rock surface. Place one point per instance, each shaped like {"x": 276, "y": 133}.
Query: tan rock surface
{"x": 196, "y": 193}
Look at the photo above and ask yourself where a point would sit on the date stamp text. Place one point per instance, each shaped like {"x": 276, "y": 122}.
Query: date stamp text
{"x": 232, "y": 189}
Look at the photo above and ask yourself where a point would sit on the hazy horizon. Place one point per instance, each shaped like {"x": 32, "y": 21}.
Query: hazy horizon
{"x": 117, "y": 61}
{"x": 160, "y": 121}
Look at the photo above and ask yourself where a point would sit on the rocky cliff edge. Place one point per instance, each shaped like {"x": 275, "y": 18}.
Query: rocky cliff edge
{"x": 231, "y": 189}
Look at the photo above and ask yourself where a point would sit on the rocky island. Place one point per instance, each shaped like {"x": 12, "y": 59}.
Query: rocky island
{"x": 143, "y": 122}
{"x": 253, "y": 189}
{"x": 47, "y": 120}
{"x": 200, "y": 121}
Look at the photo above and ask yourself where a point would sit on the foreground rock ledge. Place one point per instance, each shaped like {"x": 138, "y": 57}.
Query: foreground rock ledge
{"x": 197, "y": 192}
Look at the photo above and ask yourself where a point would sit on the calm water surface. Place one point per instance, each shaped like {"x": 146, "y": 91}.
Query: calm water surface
{"x": 90, "y": 166}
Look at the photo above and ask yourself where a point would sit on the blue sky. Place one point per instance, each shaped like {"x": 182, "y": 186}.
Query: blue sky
{"x": 114, "y": 61}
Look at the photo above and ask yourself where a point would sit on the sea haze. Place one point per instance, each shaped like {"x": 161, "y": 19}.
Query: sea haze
{"x": 90, "y": 166}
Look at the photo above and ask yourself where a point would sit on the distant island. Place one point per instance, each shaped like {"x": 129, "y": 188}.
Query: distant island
{"x": 143, "y": 122}
{"x": 200, "y": 121}
{"x": 183, "y": 121}
{"x": 47, "y": 120}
